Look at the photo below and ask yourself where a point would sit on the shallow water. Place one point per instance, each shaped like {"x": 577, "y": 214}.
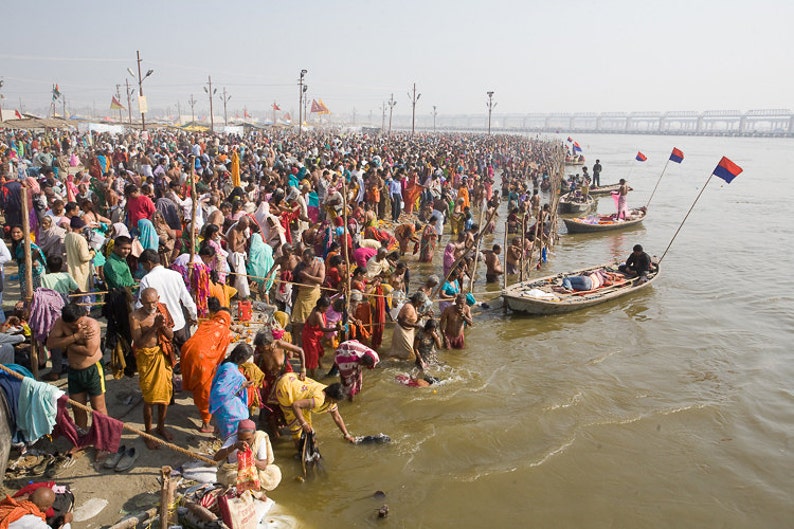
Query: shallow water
{"x": 669, "y": 408}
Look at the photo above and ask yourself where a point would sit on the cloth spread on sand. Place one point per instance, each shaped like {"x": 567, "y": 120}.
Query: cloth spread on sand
{"x": 155, "y": 375}
{"x": 201, "y": 355}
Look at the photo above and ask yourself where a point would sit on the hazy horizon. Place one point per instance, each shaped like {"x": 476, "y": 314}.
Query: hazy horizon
{"x": 535, "y": 56}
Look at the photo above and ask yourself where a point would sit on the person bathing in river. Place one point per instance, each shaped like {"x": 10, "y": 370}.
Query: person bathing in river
{"x": 453, "y": 322}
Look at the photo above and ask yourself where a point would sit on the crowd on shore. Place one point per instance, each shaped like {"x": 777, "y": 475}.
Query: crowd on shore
{"x": 177, "y": 237}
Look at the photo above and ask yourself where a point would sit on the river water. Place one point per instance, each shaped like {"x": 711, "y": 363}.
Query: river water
{"x": 670, "y": 408}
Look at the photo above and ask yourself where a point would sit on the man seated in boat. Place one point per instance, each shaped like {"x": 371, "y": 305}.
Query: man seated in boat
{"x": 637, "y": 264}
{"x": 590, "y": 281}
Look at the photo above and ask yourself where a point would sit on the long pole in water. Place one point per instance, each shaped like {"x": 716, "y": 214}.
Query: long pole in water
{"x": 657, "y": 183}
{"x": 477, "y": 247}
{"x": 685, "y": 217}
{"x": 34, "y": 358}
{"x": 347, "y": 257}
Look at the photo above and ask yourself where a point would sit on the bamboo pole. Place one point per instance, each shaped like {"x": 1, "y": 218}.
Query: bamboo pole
{"x": 166, "y": 496}
{"x": 347, "y": 256}
{"x": 34, "y": 354}
{"x": 194, "y": 206}
{"x": 523, "y": 252}
{"x": 477, "y": 248}
{"x": 136, "y": 519}
{"x": 504, "y": 274}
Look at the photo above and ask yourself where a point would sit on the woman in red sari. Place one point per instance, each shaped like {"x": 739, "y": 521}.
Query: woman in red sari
{"x": 313, "y": 330}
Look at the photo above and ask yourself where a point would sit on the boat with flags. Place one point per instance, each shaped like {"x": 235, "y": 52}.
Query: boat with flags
{"x": 599, "y": 223}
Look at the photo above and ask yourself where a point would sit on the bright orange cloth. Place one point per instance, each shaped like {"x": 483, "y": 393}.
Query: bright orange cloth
{"x": 201, "y": 355}
{"x": 12, "y": 510}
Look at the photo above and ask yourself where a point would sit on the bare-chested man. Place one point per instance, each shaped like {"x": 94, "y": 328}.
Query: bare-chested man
{"x": 310, "y": 273}
{"x": 237, "y": 238}
{"x": 272, "y": 356}
{"x": 283, "y": 267}
{"x": 151, "y": 327}
{"x": 453, "y": 322}
{"x": 513, "y": 256}
{"x": 492, "y": 264}
{"x": 79, "y": 336}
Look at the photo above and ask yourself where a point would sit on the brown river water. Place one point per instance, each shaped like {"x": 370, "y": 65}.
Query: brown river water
{"x": 670, "y": 408}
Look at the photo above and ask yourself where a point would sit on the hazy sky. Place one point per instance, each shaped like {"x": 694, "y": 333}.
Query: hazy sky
{"x": 537, "y": 56}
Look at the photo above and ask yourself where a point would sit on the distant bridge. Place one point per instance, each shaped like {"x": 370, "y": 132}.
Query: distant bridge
{"x": 761, "y": 123}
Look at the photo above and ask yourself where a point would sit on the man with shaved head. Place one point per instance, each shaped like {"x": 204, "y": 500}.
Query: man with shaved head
{"x": 30, "y": 513}
{"x": 152, "y": 331}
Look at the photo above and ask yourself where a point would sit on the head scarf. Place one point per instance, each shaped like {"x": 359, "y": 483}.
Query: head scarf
{"x": 51, "y": 240}
{"x": 260, "y": 259}
{"x": 119, "y": 228}
{"x": 148, "y": 235}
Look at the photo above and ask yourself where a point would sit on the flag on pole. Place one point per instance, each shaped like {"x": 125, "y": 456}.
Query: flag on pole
{"x": 17, "y": 114}
{"x": 676, "y": 156}
{"x": 323, "y": 107}
{"x": 570, "y": 139}
{"x": 246, "y": 115}
{"x": 115, "y": 104}
{"x": 275, "y": 106}
{"x": 286, "y": 117}
{"x": 316, "y": 106}
{"x": 56, "y": 92}
{"x": 640, "y": 157}
{"x": 727, "y": 170}
{"x": 576, "y": 147}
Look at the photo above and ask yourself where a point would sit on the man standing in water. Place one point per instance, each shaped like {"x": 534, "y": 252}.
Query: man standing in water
{"x": 453, "y": 321}
{"x": 493, "y": 265}
{"x": 151, "y": 327}
{"x": 79, "y": 336}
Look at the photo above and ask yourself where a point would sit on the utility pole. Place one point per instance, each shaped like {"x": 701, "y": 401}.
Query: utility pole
{"x": 178, "y": 113}
{"x": 226, "y": 99}
{"x": 383, "y": 117}
{"x": 1, "y": 101}
{"x": 142, "y": 106}
{"x": 392, "y": 102}
{"x": 491, "y": 105}
{"x": 63, "y": 100}
{"x": 301, "y": 91}
{"x": 130, "y": 91}
{"x": 414, "y": 98}
{"x": 210, "y": 92}
{"x": 192, "y": 103}
{"x": 435, "y": 113}
{"x": 118, "y": 96}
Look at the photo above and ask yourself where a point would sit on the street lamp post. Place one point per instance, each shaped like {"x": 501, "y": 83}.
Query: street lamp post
{"x": 226, "y": 99}
{"x": 141, "y": 99}
{"x": 383, "y": 118}
{"x": 192, "y": 103}
{"x": 210, "y": 93}
{"x": 301, "y": 91}
{"x": 392, "y": 103}
{"x": 130, "y": 91}
{"x": 414, "y": 98}
{"x": 491, "y": 105}
{"x": 435, "y": 113}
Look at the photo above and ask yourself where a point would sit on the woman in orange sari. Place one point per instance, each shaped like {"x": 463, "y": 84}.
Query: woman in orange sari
{"x": 200, "y": 357}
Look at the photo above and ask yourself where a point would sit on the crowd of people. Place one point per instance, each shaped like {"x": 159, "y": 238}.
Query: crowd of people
{"x": 175, "y": 237}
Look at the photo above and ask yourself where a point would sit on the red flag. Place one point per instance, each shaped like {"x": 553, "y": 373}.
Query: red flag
{"x": 17, "y": 114}
{"x": 316, "y": 107}
{"x": 115, "y": 104}
{"x": 640, "y": 157}
{"x": 246, "y": 115}
{"x": 275, "y": 106}
{"x": 727, "y": 170}
{"x": 287, "y": 117}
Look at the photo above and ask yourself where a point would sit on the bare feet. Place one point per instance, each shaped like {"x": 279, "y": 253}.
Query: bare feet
{"x": 207, "y": 428}
{"x": 165, "y": 434}
{"x": 151, "y": 444}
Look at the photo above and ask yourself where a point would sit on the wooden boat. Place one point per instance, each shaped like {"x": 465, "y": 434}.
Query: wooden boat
{"x": 576, "y": 203}
{"x": 546, "y": 296}
{"x": 605, "y": 190}
{"x": 574, "y": 162}
{"x": 597, "y": 223}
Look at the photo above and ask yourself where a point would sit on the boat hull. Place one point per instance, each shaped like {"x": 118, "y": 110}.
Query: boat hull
{"x": 516, "y": 299}
{"x": 579, "y": 224}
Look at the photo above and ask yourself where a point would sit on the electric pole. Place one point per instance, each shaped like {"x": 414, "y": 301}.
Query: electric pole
{"x": 141, "y": 99}
{"x": 226, "y": 99}
{"x": 435, "y": 113}
{"x": 491, "y": 105}
{"x": 414, "y": 98}
{"x": 1, "y": 101}
{"x": 192, "y": 103}
{"x": 210, "y": 92}
{"x": 383, "y": 117}
{"x": 392, "y": 102}
{"x": 301, "y": 91}
{"x": 178, "y": 113}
